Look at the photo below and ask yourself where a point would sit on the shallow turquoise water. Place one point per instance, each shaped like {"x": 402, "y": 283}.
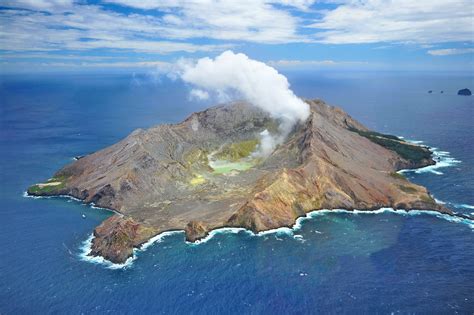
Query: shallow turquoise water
{"x": 338, "y": 262}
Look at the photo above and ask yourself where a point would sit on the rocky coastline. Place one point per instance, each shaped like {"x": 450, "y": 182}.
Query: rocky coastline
{"x": 160, "y": 179}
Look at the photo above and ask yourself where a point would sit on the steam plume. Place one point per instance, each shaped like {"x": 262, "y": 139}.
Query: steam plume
{"x": 253, "y": 81}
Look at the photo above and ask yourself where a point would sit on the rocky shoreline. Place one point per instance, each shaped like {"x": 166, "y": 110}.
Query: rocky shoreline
{"x": 161, "y": 180}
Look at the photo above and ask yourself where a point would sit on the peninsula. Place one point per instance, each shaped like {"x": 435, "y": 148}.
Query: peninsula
{"x": 203, "y": 173}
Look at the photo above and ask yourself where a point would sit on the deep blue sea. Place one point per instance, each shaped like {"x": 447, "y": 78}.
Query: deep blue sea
{"x": 334, "y": 263}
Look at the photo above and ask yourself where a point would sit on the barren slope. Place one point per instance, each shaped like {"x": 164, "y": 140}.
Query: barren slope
{"x": 200, "y": 174}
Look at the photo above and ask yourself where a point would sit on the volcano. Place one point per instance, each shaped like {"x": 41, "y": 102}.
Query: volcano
{"x": 204, "y": 173}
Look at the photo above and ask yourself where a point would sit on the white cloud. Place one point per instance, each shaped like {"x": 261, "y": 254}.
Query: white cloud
{"x": 160, "y": 66}
{"x": 255, "y": 82}
{"x": 87, "y": 27}
{"x": 49, "y": 25}
{"x": 420, "y": 21}
{"x": 170, "y": 26}
{"x": 198, "y": 94}
{"x": 246, "y": 20}
{"x": 163, "y": 4}
{"x": 46, "y": 5}
{"x": 450, "y": 51}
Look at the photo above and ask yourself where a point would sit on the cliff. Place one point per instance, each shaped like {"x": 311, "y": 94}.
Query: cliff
{"x": 201, "y": 174}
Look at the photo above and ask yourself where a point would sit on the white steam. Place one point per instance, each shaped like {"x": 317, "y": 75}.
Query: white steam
{"x": 198, "y": 94}
{"x": 253, "y": 81}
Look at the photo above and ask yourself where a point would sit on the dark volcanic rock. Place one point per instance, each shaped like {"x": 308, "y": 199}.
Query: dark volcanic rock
{"x": 196, "y": 230}
{"x": 466, "y": 92}
{"x": 162, "y": 178}
{"x": 116, "y": 237}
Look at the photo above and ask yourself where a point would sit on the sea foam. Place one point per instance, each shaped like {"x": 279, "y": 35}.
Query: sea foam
{"x": 86, "y": 245}
{"x": 85, "y": 250}
{"x": 463, "y": 205}
{"x": 157, "y": 239}
{"x": 314, "y": 214}
{"x": 442, "y": 158}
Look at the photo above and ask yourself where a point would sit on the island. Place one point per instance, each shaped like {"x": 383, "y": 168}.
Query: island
{"x": 465, "y": 92}
{"x": 203, "y": 174}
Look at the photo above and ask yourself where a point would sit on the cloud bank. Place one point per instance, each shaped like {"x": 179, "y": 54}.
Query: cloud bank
{"x": 236, "y": 75}
{"x": 402, "y": 21}
{"x": 137, "y": 31}
{"x": 450, "y": 51}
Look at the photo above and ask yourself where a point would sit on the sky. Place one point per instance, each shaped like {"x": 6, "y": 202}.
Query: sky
{"x": 133, "y": 35}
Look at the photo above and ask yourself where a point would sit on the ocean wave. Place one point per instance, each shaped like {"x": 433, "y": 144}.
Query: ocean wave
{"x": 313, "y": 214}
{"x": 440, "y": 215}
{"x": 278, "y": 231}
{"x": 463, "y": 205}
{"x": 87, "y": 244}
{"x": 455, "y": 205}
{"x": 443, "y": 159}
{"x": 156, "y": 239}
{"x": 86, "y": 248}
{"x": 71, "y": 198}
{"x": 224, "y": 230}
{"x": 26, "y": 195}
{"x": 412, "y": 141}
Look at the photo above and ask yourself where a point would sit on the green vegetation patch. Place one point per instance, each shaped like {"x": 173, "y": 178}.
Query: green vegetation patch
{"x": 408, "y": 189}
{"x": 428, "y": 199}
{"x": 369, "y": 134}
{"x": 52, "y": 185}
{"x": 406, "y": 150}
{"x": 398, "y": 176}
{"x": 236, "y": 151}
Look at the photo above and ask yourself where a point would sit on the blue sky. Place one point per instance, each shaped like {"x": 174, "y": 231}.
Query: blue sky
{"x": 67, "y": 35}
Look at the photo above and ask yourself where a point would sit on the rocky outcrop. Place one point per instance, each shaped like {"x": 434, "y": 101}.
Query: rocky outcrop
{"x": 465, "y": 92}
{"x": 115, "y": 238}
{"x": 162, "y": 179}
{"x": 196, "y": 230}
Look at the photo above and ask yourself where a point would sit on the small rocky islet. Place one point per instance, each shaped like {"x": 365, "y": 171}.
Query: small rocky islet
{"x": 201, "y": 174}
{"x": 465, "y": 92}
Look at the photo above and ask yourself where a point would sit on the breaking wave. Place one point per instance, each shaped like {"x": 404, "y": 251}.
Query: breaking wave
{"x": 224, "y": 230}
{"x": 442, "y": 158}
{"x": 463, "y": 205}
{"x": 455, "y": 205}
{"x": 86, "y": 248}
{"x": 156, "y": 239}
{"x": 313, "y": 214}
{"x": 86, "y": 245}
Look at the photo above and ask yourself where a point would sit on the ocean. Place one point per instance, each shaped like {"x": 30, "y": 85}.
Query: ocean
{"x": 338, "y": 262}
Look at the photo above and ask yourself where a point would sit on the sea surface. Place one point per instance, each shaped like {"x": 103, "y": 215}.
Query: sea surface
{"x": 339, "y": 262}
